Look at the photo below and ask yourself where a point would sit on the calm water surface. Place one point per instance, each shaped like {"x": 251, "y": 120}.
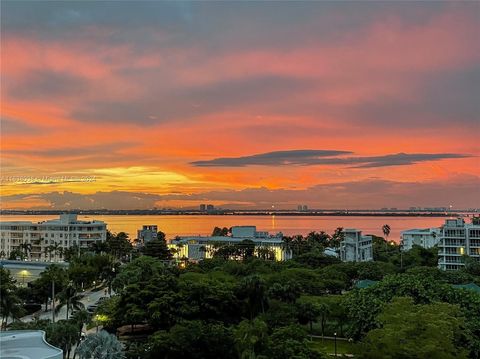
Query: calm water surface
{"x": 178, "y": 225}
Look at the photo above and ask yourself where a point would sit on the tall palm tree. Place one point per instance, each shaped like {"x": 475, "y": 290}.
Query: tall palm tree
{"x": 70, "y": 299}
{"x": 101, "y": 345}
{"x": 386, "y": 233}
{"x": 287, "y": 244}
{"x": 255, "y": 292}
{"x": 26, "y": 247}
{"x": 50, "y": 250}
{"x": 81, "y": 318}
{"x": 386, "y": 230}
{"x": 46, "y": 251}
{"x": 57, "y": 250}
{"x": 10, "y": 303}
{"x": 109, "y": 272}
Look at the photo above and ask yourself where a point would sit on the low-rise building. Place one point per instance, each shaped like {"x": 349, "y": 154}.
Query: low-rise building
{"x": 356, "y": 247}
{"x": 426, "y": 238}
{"x": 458, "y": 239}
{"x": 196, "y": 248}
{"x": 147, "y": 233}
{"x": 48, "y": 240}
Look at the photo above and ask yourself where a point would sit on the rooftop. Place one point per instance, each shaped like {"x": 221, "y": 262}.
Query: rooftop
{"x": 27, "y": 344}
{"x": 62, "y": 220}
{"x": 221, "y": 239}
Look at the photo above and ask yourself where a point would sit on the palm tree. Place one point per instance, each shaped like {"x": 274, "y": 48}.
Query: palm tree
{"x": 287, "y": 245}
{"x": 46, "y": 251}
{"x": 81, "y": 317}
{"x": 247, "y": 334}
{"x": 386, "y": 233}
{"x": 26, "y": 247}
{"x": 57, "y": 250}
{"x": 101, "y": 345}
{"x": 69, "y": 298}
{"x": 50, "y": 250}
{"x": 255, "y": 292}
{"x": 109, "y": 272}
{"x": 386, "y": 230}
{"x": 10, "y": 303}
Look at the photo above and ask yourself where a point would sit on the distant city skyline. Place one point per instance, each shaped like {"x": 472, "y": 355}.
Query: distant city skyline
{"x": 242, "y": 105}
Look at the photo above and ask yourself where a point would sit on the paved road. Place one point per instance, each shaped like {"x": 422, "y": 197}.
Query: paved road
{"x": 90, "y": 298}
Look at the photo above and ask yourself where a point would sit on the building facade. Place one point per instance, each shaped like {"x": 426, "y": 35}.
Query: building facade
{"x": 147, "y": 233}
{"x": 196, "y": 248}
{"x": 426, "y": 238}
{"x": 47, "y": 240}
{"x": 356, "y": 247}
{"x": 458, "y": 239}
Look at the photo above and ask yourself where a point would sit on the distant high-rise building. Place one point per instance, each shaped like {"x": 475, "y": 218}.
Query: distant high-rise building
{"x": 300, "y": 207}
{"x": 454, "y": 240}
{"x": 457, "y": 239}
{"x": 210, "y": 207}
{"x": 305, "y": 207}
{"x": 203, "y": 207}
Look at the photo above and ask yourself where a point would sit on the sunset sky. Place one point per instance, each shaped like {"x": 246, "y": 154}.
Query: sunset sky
{"x": 240, "y": 104}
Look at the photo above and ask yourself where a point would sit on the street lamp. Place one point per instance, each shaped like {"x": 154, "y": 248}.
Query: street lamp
{"x": 24, "y": 273}
{"x": 335, "y": 335}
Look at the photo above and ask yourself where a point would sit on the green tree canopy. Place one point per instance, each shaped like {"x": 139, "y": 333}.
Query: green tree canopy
{"x": 415, "y": 331}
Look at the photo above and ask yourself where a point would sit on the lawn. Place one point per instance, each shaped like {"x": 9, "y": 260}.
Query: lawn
{"x": 328, "y": 346}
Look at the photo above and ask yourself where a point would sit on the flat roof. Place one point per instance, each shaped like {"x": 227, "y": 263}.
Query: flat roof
{"x": 27, "y": 344}
{"x": 51, "y": 222}
{"x": 220, "y": 239}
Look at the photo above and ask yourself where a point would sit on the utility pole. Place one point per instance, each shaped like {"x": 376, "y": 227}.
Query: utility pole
{"x": 335, "y": 334}
{"x": 53, "y": 300}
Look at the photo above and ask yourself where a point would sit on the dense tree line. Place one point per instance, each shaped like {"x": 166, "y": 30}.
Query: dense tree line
{"x": 239, "y": 304}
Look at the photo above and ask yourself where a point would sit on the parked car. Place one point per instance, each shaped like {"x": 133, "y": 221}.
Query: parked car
{"x": 92, "y": 308}
{"x": 101, "y": 299}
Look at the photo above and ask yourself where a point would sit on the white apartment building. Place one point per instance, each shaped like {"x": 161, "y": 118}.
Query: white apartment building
{"x": 457, "y": 239}
{"x": 356, "y": 247}
{"x": 426, "y": 238}
{"x": 196, "y": 248}
{"x": 49, "y": 239}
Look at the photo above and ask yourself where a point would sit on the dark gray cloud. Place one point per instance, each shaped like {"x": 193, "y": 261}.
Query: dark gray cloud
{"x": 45, "y": 84}
{"x": 215, "y": 29}
{"x": 215, "y": 25}
{"x": 399, "y": 159}
{"x": 324, "y": 157}
{"x": 164, "y": 103}
{"x": 14, "y": 126}
{"x": 276, "y": 158}
{"x": 98, "y": 200}
{"x": 444, "y": 97}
